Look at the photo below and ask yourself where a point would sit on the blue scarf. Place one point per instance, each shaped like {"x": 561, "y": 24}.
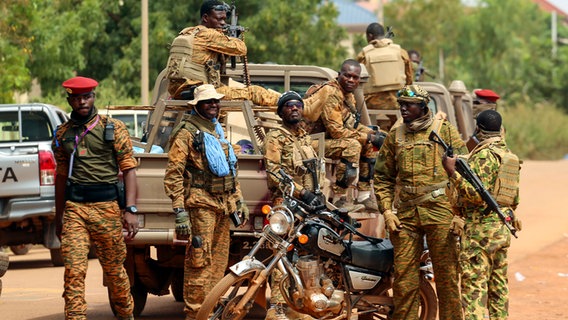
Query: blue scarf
{"x": 215, "y": 155}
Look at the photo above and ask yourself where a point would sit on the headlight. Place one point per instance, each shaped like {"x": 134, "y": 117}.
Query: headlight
{"x": 279, "y": 222}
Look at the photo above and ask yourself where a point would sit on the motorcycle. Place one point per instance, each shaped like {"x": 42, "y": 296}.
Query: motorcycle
{"x": 326, "y": 274}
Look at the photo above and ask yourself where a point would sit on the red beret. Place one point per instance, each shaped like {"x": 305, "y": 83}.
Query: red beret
{"x": 79, "y": 85}
{"x": 487, "y": 94}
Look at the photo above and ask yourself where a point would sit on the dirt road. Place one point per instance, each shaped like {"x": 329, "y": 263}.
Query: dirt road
{"x": 32, "y": 288}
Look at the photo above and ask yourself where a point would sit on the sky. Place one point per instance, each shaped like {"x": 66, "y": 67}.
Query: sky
{"x": 560, "y": 4}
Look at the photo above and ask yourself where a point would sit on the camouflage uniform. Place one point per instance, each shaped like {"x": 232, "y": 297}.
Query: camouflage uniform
{"x": 483, "y": 258}
{"x": 186, "y": 183}
{"x": 342, "y": 140}
{"x": 279, "y": 148}
{"x": 209, "y": 47}
{"x": 96, "y": 162}
{"x": 385, "y": 100}
{"x": 410, "y": 167}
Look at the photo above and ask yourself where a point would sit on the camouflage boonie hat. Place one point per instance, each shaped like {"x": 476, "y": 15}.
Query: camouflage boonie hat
{"x": 413, "y": 93}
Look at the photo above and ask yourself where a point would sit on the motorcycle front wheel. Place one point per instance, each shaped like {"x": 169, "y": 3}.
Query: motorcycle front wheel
{"x": 221, "y": 302}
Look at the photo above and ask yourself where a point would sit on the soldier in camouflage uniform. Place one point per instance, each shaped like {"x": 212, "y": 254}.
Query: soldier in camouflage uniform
{"x": 198, "y": 54}
{"x": 409, "y": 177}
{"x": 201, "y": 179}
{"x": 483, "y": 257}
{"x": 346, "y": 139}
{"x": 286, "y": 148}
{"x": 383, "y": 97}
{"x": 87, "y": 192}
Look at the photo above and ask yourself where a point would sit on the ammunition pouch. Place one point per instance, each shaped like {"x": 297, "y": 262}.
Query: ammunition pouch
{"x": 93, "y": 192}
{"x": 371, "y": 164}
{"x": 349, "y": 175}
{"x": 212, "y": 183}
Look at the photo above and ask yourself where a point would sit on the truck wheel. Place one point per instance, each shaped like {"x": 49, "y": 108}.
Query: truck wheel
{"x": 4, "y": 262}
{"x": 139, "y": 295}
{"x": 177, "y": 284}
{"x": 21, "y": 249}
{"x": 56, "y": 257}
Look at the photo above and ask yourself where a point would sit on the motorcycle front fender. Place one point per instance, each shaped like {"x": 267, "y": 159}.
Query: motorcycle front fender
{"x": 245, "y": 266}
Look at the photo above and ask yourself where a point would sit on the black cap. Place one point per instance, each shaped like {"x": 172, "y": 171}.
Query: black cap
{"x": 287, "y": 96}
{"x": 489, "y": 120}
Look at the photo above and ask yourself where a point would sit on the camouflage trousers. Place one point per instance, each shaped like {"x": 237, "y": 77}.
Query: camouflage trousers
{"x": 383, "y": 101}
{"x": 408, "y": 246}
{"x": 257, "y": 94}
{"x": 98, "y": 224}
{"x": 205, "y": 266}
{"x": 359, "y": 155}
{"x": 483, "y": 262}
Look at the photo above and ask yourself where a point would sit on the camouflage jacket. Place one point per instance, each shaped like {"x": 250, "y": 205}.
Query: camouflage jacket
{"x": 210, "y": 44}
{"x": 183, "y": 155}
{"x": 96, "y": 160}
{"x": 281, "y": 152}
{"x": 485, "y": 162}
{"x": 414, "y": 164}
{"x": 338, "y": 113}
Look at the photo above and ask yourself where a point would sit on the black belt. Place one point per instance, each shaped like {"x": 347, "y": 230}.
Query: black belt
{"x": 91, "y": 192}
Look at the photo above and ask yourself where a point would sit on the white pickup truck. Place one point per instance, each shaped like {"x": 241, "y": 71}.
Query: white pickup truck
{"x": 27, "y": 177}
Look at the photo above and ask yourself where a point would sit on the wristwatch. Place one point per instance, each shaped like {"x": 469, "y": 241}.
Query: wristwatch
{"x": 131, "y": 209}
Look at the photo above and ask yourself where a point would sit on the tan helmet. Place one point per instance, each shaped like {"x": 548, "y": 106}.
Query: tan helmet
{"x": 413, "y": 93}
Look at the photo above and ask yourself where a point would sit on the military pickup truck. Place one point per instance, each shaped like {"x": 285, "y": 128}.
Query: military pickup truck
{"x": 155, "y": 257}
{"x": 27, "y": 177}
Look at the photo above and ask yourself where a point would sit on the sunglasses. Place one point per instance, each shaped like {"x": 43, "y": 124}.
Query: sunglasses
{"x": 222, "y": 7}
{"x": 291, "y": 104}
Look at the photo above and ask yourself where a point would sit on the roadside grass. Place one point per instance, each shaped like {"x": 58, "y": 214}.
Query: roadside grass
{"x": 536, "y": 131}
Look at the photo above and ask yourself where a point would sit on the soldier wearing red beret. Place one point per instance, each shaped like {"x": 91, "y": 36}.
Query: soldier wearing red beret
{"x": 90, "y": 150}
{"x": 484, "y": 99}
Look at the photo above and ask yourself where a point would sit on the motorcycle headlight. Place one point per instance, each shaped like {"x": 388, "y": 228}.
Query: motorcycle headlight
{"x": 279, "y": 222}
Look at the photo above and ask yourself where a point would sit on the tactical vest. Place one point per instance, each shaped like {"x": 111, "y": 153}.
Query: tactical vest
{"x": 180, "y": 64}
{"x": 400, "y": 134}
{"x": 506, "y": 185}
{"x": 100, "y": 154}
{"x": 385, "y": 67}
{"x": 299, "y": 154}
{"x": 205, "y": 179}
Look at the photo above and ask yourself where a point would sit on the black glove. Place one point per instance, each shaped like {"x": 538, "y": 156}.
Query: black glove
{"x": 310, "y": 198}
{"x": 377, "y": 139}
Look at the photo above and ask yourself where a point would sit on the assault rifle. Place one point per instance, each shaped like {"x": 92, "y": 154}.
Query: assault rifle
{"x": 465, "y": 171}
{"x": 233, "y": 30}
{"x": 389, "y": 34}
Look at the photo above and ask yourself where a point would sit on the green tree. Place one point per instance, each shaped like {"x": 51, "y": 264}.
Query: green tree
{"x": 303, "y": 33}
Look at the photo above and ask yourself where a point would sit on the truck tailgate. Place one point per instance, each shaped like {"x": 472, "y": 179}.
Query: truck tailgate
{"x": 19, "y": 171}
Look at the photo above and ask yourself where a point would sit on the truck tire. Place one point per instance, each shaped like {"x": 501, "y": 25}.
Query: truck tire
{"x": 21, "y": 249}
{"x": 56, "y": 257}
{"x": 4, "y": 262}
{"x": 177, "y": 284}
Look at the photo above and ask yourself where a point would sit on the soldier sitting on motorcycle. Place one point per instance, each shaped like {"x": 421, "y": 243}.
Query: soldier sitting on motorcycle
{"x": 289, "y": 148}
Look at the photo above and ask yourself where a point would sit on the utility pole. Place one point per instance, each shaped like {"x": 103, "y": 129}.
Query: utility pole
{"x": 144, "y": 81}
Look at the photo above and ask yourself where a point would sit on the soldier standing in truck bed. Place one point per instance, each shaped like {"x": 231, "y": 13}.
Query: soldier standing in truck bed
{"x": 89, "y": 150}
{"x": 201, "y": 179}
{"x": 198, "y": 54}
{"x": 389, "y": 69}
